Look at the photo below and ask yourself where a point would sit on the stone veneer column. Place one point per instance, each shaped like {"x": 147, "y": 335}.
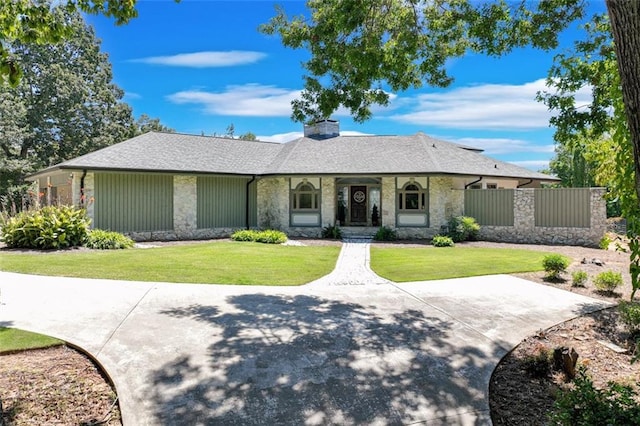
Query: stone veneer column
{"x": 185, "y": 205}
{"x": 388, "y": 201}
{"x": 273, "y": 203}
{"x": 524, "y": 219}
{"x": 444, "y": 201}
{"x": 328, "y": 202}
{"x": 89, "y": 191}
{"x": 598, "y": 223}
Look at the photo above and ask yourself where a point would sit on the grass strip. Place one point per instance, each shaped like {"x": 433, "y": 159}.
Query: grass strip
{"x": 402, "y": 264}
{"x": 13, "y": 340}
{"x": 207, "y": 263}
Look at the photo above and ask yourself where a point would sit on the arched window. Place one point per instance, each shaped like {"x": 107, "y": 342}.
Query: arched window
{"x": 305, "y": 197}
{"x": 411, "y": 197}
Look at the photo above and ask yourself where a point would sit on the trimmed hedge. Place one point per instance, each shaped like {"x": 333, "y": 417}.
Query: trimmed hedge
{"x": 268, "y": 236}
{"x": 107, "y": 240}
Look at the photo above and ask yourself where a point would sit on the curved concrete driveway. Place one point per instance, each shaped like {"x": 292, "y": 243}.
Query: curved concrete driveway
{"x": 350, "y": 348}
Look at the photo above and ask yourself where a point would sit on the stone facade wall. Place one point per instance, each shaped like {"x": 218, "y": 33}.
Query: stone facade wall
{"x": 388, "y": 201}
{"x": 185, "y": 205}
{"x": 444, "y": 203}
{"x": 328, "y": 202}
{"x": 273, "y": 203}
{"x": 524, "y": 230}
{"x": 89, "y": 194}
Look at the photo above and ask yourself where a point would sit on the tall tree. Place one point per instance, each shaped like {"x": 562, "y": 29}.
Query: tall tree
{"x": 145, "y": 124}
{"x": 37, "y": 22}
{"x": 64, "y": 106}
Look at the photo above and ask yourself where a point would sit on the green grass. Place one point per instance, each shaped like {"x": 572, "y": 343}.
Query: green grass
{"x": 12, "y": 340}
{"x": 431, "y": 263}
{"x": 207, "y": 263}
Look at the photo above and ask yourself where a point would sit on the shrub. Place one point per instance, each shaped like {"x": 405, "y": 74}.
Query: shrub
{"x": 244, "y": 235}
{"x": 579, "y": 278}
{"x": 604, "y": 242}
{"x": 332, "y": 231}
{"x": 52, "y": 227}
{"x": 554, "y": 265}
{"x": 442, "y": 241}
{"x": 630, "y": 315}
{"x": 268, "y": 236}
{"x": 608, "y": 281}
{"x": 583, "y": 404}
{"x": 385, "y": 233}
{"x": 271, "y": 236}
{"x": 463, "y": 228}
{"x": 107, "y": 240}
{"x": 539, "y": 364}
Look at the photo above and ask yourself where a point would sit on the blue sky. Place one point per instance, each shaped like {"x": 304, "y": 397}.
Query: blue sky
{"x": 201, "y": 65}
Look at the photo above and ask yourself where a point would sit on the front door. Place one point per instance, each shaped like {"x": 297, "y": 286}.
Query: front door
{"x": 359, "y": 205}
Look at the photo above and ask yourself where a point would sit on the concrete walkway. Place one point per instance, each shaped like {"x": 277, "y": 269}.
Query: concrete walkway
{"x": 370, "y": 353}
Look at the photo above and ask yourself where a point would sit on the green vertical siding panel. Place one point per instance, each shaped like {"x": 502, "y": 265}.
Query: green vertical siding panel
{"x": 490, "y": 207}
{"x": 133, "y": 202}
{"x": 221, "y": 202}
{"x": 563, "y": 207}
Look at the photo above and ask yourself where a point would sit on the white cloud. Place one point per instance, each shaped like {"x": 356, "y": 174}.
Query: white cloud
{"x": 487, "y": 106}
{"x": 496, "y": 146}
{"x": 280, "y": 137}
{"x": 254, "y": 100}
{"x": 205, "y": 59}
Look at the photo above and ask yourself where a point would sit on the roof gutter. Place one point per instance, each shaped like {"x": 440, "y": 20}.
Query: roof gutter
{"x": 525, "y": 184}
{"x": 473, "y": 183}
{"x": 246, "y": 204}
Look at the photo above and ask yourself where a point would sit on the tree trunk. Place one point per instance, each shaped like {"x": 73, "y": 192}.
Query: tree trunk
{"x": 625, "y": 27}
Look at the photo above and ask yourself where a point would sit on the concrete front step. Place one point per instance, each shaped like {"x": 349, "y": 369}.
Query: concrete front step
{"x": 358, "y": 232}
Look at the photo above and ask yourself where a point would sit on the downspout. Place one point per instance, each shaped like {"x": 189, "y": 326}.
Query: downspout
{"x": 84, "y": 174}
{"x": 246, "y": 213}
{"x": 473, "y": 183}
{"x": 524, "y": 184}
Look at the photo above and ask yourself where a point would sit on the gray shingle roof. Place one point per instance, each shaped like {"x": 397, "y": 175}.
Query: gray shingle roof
{"x": 414, "y": 154}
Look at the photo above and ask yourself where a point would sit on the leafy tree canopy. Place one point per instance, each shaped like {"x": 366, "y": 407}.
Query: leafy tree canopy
{"x": 37, "y": 22}
{"x": 360, "y": 50}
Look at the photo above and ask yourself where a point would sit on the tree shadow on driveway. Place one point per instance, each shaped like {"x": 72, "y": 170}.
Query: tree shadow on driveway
{"x": 277, "y": 359}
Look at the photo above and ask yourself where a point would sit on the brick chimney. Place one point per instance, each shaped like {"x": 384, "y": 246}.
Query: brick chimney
{"x": 323, "y": 129}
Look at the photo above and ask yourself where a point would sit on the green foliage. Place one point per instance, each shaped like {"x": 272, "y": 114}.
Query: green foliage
{"x": 384, "y": 233}
{"x": 442, "y": 241}
{"x": 539, "y": 364}
{"x": 604, "y": 242}
{"x": 332, "y": 231}
{"x": 608, "y": 281}
{"x": 584, "y": 404}
{"x": 359, "y": 55}
{"x": 554, "y": 264}
{"x": 46, "y": 228}
{"x": 268, "y": 236}
{"x": 579, "y": 278}
{"x": 107, "y": 240}
{"x": 630, "y": 315}
{"x": 37, "y": 22}
{"x": 463, "y": 228}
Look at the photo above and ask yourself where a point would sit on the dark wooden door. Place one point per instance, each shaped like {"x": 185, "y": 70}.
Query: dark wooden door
{"x": 358, "y": 204}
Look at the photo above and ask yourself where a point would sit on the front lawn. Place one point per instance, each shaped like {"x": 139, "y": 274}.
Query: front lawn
{"x": 404, "y": 264}
{"x": 12, "y": 340}
{"x": 206, "y": 263}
